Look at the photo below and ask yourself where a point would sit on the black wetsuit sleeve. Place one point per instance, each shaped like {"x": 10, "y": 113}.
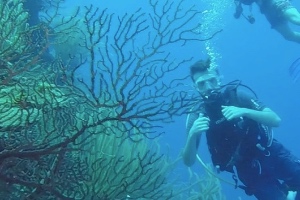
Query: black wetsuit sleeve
{"x": 249, "y": 101}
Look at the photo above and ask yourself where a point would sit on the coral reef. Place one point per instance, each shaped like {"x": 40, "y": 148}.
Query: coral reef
{"x": 65, "y": 134}
{"x": 13, "y": 22}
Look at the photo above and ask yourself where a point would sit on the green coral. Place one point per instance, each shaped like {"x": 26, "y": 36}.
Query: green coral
{"x": 13, "y": 23}
{"x": 22, "y": 104}
{"x": 121, "y": 168}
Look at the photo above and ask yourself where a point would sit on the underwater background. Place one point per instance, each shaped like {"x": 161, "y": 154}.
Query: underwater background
{"x": 252, "y": 53}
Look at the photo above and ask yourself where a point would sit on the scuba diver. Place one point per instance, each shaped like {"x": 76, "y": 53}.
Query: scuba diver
{"x": 279, "y": 13}
{"x": 238, "y": 129}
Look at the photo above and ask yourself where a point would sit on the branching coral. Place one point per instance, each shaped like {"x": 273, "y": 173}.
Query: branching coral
{"x": 66, "y": 31}
{"x": 121, "y": 167}
{"x": 25, "y": 102}
{"x": 21, "y": 46}
{"x": 13, "y": 22}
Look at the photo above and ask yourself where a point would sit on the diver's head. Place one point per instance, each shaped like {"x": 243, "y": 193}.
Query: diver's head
{"x": 206, "y": 79}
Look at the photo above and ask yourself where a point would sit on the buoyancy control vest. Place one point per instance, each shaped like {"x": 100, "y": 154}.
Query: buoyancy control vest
{"x": 236, "y": 140}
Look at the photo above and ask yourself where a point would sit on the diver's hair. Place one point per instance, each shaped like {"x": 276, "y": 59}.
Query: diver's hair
{"x": 200, "y": 66}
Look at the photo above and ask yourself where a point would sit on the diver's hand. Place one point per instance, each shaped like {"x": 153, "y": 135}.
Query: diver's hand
{"x": 200, "y": 125}
{"x": 233, "y": 112}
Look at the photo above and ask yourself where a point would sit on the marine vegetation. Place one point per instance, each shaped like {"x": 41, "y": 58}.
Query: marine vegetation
{"x": 85, "y": 124}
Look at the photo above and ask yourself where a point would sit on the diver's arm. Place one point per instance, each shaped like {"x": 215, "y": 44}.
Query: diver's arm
{"x": 265, "y": 116}
{"x": 190, "y": 149}
{"x": 200, "y": 125}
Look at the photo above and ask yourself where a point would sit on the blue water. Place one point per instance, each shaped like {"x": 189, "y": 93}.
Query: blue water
{"x": 253, "y": 53}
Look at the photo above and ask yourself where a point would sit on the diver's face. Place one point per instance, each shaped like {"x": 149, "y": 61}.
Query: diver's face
{"x": 206, "y": 82}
